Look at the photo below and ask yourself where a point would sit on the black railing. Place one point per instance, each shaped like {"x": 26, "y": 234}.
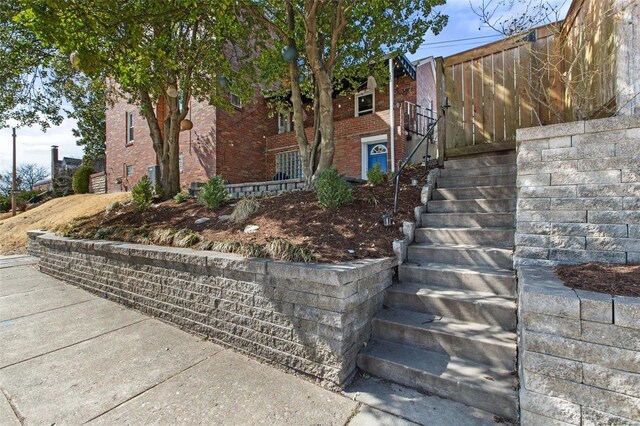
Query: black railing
{"x": 396, "y": 176}
{"x": 417, "y": 119}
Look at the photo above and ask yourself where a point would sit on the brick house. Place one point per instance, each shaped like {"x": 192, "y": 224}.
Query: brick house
{"x": 252, "y": 144}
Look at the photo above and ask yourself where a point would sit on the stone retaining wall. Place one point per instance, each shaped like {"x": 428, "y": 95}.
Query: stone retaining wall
{"x": 579, "y": 192}
{"x": 579, "y": 353}
{"x": 307, "y": 318}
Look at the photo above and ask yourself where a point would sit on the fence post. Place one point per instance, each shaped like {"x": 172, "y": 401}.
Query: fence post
{"x": 440, "y": 95}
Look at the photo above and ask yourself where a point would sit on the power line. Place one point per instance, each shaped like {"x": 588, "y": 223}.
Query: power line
{"x": 461, "y": 39}
{"x": 449, "y": 45}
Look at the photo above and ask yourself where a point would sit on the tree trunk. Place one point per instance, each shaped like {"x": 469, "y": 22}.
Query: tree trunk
{"x": 325, "y": 125}
{"x": 170, "y": 164}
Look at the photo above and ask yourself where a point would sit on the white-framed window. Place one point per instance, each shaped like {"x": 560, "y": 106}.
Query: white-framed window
{"x": 129, "y": 170}
{"x": 288, "y": 166}
{"x": 284, "y": 122}
{"x": 130, "y": 122}
{"x": 235, "y": 100}
{"x": 181, "y": 163}
{"x": 365, "y": 103}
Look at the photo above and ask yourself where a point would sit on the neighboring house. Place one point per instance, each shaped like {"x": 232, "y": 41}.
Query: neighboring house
{"x": 253, "y": 144}
{"x": 66, "y": 165}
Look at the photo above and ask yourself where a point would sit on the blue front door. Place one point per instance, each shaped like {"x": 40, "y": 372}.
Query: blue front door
{"x": 377, "y": 154}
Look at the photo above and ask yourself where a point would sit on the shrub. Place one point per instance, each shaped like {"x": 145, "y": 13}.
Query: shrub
{"x": 375, "y": 175}
{"x": 142, "y": 194}
{"x": 80, "y": 181}
{"x": 181, "y": 197}
{"x": 213, "y": 193}
{"x": 185, "y": 238}
{"x": 245, "y": 208}
{"x": 5, "y": 203}
{"x": 332, "y": 190}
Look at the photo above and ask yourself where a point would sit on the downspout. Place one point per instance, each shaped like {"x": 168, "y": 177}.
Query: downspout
{"x": 392, "y": 117}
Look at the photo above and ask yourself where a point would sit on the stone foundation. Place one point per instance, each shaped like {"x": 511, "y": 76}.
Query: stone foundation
{"x": 310, "y": 319}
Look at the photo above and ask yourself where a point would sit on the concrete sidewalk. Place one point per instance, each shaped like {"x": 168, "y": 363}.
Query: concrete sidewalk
{"x": 68, "y": 357}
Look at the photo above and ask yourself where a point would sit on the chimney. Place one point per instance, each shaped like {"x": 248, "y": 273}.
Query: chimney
{"x": 54, "y": 161}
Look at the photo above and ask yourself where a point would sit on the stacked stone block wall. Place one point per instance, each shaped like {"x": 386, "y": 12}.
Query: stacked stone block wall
{"x": 98, "y": 183}
{"x": 310, "y": 319}
{"x": 579, "y": 354}
{"x": 579, "y": 192}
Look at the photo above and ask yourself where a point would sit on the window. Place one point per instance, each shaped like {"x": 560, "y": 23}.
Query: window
{"x": 130, "y": 125}
{"x": 288, "y": 166}
{"x": 129, "y": 170}
{"x": 364, "y": 104}
{"x": 235, "y": 100}
{"x": 181, "y": 163}
{"x": 284, "y": 122}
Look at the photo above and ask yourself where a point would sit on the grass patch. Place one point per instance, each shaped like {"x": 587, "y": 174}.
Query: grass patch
{"x": 244, "y": 209}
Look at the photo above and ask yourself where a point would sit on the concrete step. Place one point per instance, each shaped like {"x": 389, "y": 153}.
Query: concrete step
{"x": 497, "y": 237}
{"x": 469, "y": 220}
{"x": 461, "y": 380}
{"x": 472, "y": 206}
{"x": 460, "y": 254}
{"x": 485, "y": 161}
{"x": 466, "y": 181}
{"x": 464, "y": 305}
{"x": 502, "y": 169}
{"x": 475, "y": 192}
{"x": 481, "y": 343}
{"x": 475, "y": 278}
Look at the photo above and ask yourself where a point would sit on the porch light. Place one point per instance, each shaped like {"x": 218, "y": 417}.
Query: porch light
{"x": 387, "y": 220}
{"x": 186, "y": 124}
{"x": 289, "y": 53}
{"x": 172, "y": 92}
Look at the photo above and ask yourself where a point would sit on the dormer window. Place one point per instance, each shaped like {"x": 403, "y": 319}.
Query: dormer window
{"x": 365, "y": 102}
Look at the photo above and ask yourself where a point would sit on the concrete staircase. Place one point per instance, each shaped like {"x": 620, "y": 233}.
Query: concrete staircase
{"x": 448, "y": 325}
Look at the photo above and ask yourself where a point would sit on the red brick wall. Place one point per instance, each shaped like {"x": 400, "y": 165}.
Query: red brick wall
{"x": 119, "y": 154}
{"x": 233, "y": 143}
{"x": 350, "y": 130}
{"x": 349, "y": 134}
{"x": 242, "y": 136}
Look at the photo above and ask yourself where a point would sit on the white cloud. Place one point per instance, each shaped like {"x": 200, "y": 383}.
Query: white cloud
{"x": 34, "y": 146}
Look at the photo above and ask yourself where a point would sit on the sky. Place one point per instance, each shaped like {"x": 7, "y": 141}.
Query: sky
{"x": 33, "y": 146}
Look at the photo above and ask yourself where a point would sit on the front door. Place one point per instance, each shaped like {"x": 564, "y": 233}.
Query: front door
{"x": 377, "y": 154}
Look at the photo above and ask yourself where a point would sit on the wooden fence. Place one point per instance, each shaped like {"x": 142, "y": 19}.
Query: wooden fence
{"x": 495, "y": 89}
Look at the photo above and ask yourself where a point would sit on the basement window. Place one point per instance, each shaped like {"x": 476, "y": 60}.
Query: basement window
{"x": 181, "y": 163}
{"x": 129, "y": 170}
{"x": 288, "y": 166}
{"x": 130, "y": 122}
{"x": 365, "y": 103}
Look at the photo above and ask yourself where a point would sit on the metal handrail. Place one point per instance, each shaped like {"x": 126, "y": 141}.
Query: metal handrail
{"x": 403, "y": 163}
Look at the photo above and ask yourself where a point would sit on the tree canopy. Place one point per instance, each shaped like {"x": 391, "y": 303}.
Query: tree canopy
{"x": 338, "y": 43}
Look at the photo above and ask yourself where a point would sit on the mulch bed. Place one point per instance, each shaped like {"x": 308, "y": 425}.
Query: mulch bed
{"x": 296, "y": 217}
{"x": 619, "y": 280}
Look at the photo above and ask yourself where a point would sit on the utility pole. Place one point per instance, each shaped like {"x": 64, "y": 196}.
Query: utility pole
{"x": 13, "y": 180}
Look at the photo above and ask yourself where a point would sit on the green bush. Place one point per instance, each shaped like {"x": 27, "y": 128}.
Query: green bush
{"x": 375, "y": 175}
{"x": 5, "y": 204}
{"x": 80, "y": 182}
{"x": 332, "y": 190}
{"x": 245, "y": 208}
{"x": 181, "y": 197}
{"x": 213, "y": 193}
{"x": 142, "y": 194}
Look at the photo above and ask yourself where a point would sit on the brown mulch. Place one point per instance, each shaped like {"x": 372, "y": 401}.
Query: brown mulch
{"x": 296, "y": 217}
{"x": 619, "y": 280}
